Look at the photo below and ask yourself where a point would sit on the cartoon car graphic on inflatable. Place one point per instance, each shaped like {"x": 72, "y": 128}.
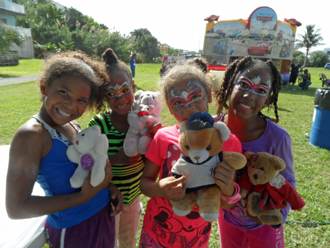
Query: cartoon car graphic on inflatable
{"x": 293, "y": 22}
{"x": 220, "y": 47}
{"x": 221, "y": 33}
{"x": 255, "y": 36}
{"x": 262, "y": 48}
{"x": 212, "y": 18}
{"x": 285, "y": 50}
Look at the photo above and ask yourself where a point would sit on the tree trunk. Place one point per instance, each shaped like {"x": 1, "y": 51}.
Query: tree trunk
{"x": 305, "y": 62}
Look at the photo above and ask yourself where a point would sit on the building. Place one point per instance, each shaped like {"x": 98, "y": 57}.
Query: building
{"x": 8, "y": 12}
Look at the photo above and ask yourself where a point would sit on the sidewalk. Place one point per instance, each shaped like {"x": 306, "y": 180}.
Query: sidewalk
{"x": 15, "y": 80}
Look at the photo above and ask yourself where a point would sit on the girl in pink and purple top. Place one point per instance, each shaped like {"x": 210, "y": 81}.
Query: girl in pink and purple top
{"x": 249, "y": 86}
{"x": 186, "y": 90}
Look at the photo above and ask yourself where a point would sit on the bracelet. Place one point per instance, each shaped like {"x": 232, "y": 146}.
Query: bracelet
{"x": 235, "y": 197}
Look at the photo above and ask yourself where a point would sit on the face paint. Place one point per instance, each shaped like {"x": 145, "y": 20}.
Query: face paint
{"x": 253, "y": 85}
{"x": 184, "y": 99}
{"x": 118, "y": 90}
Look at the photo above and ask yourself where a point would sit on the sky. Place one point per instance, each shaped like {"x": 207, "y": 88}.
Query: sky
{"x": 181, "y": 25}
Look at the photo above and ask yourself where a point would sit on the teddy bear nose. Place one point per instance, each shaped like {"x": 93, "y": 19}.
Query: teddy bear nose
{"x": 196, "y": 158}
{"x": 77, "y": 142}
{"x": 255, "y": 176}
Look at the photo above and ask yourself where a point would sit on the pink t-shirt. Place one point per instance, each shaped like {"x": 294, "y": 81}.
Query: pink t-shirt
{"x": 161, "y": 224}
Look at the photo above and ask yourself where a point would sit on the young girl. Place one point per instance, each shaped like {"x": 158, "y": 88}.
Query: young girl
{"x": 127, "y": 171}
{"x": 186, "y": 90}
{"x": 249, "y": 86}
{"x": 68, "y": 86}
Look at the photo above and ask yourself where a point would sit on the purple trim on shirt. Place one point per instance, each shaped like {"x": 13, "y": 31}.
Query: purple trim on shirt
{"x": 276, "y": 141}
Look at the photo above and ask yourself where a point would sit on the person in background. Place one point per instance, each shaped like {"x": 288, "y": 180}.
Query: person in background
{"x": 133, "y": 64}
{"x": 306, "y": 76}
{"x": 293, "y": 74}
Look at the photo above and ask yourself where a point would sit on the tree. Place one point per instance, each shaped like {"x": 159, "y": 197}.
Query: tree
{"x": 311, "y": 38}
{"x": 145, "y": 43}
{"x": 318, "y": 59}
{"x": 8, "y": 36}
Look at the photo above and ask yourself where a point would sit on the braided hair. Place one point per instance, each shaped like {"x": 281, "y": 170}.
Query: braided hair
{"x": 238, "y": 66}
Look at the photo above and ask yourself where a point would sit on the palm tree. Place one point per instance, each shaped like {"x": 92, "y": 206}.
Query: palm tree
{"x": 311, "y": 38}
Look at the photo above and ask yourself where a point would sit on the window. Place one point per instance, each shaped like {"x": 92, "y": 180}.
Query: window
{"x": 3, "y": 20}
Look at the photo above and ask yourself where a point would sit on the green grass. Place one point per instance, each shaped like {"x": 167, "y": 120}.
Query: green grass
{"x": 20, "y": 101}
{"x": 25, "y": 67}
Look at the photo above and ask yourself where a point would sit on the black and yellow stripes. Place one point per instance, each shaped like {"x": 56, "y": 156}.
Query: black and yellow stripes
{"x": 125, "y": 177}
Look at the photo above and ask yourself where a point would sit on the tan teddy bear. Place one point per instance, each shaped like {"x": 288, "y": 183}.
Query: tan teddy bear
{"x": 265, "y": 190}
{"x": 201, "y": 141}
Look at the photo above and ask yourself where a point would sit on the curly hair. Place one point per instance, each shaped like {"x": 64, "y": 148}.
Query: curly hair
{"x": 238, "y": 66}
{"x": 77, "y": 64}
{"x": 192, "y": 69}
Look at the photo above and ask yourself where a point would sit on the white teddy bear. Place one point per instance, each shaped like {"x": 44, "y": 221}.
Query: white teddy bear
{"x": 89, "y": 151}
{"x": 142, "y": 120}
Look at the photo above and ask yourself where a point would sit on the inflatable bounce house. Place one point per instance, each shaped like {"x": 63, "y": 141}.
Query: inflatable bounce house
{"x": 260, "y": 36}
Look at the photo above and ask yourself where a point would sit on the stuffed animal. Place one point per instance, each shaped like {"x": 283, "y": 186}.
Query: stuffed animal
{"x": 143, "y": 121}
{"x": 89, "y": 151}
{"x": 265, "y": 190}
{"x": 201, "y": 141}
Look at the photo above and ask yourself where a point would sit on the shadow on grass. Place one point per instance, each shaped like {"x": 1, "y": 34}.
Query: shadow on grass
{"x": 5, "y": 75}
{"x": 309, "y": 92}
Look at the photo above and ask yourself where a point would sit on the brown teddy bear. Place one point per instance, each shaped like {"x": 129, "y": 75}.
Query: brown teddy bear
{"x": 201, "y": 141}
{"x": 265, "y": 190}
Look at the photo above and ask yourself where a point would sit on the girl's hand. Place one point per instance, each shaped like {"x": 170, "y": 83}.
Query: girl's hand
{"x": 172, "y": 188}
{"x": 88, "y": 191}
{"x": 224, "y": 178}
{"x": 116, "y": 199}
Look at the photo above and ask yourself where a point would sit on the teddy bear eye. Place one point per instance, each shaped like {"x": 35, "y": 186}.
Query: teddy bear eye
{"x": 262, "y": 168}
{"x": 208, "y": 148}
{"x": 187, "y": 147}
{"x": 83, "y": 134}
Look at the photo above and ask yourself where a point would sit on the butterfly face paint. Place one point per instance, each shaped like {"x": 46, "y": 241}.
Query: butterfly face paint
{"x": 180, "y": 100}
{"x": 118, "y": 90}
{"x": 253, "y": 85}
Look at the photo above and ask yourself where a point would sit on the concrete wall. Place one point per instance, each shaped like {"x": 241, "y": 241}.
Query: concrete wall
{"x": 26, "y": 51}
{"x": 9, "y": 58}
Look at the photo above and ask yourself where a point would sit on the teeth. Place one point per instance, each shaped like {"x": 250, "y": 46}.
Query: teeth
{"x": 121, "y": 107}
{"x": 245, "y": 106}
{"x": 64, "y": 113}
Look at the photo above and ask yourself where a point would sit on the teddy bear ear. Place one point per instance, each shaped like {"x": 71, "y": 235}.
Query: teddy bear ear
{"x": 182, "y": 127}
{"x": 138, "y": 94}
{"x": 223, "y": 130}
{"x": 248, "y": 155}
{"x": 278, "y": 163}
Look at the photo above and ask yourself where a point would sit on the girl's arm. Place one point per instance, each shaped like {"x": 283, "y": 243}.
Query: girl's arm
{"x": 24, "y": 162}
{"x": 169, "y": 187}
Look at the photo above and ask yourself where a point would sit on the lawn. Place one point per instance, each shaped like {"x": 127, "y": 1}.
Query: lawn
{"x": 307, "y": 228}
{"x": 25, "y": 67}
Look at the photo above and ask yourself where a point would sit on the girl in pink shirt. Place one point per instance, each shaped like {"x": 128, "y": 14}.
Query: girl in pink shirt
{"x": 186, "y": 90}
